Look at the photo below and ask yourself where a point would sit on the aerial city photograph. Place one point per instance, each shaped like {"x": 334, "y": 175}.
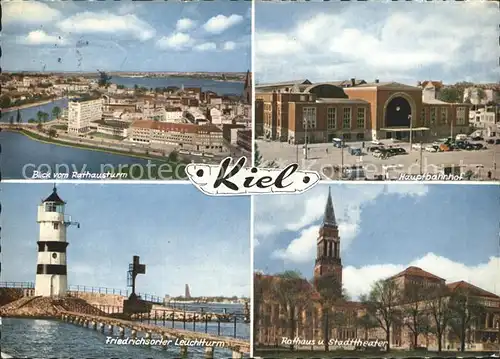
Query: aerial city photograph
{"x": 123, "y": 90}
{"x": 334, "y": 280}
{"x": 162, "y": 282}
{"x": 390, "y": 96}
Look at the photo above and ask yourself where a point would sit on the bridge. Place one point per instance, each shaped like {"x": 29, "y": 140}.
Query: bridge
{"x": 166, "y": 337}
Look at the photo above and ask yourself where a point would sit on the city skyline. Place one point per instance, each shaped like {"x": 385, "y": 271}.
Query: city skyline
{"x": 166, "y": 226}
{"x": 403, "y": 42}
{"x": 440, "y": 226}
{"x": 126, "y": 36}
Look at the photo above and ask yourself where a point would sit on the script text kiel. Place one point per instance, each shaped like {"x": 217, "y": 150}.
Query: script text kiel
{"x": 263, "y": 181}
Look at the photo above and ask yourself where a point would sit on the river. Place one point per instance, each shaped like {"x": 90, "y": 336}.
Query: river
{"x": 22, "y": 155}
{"x": 41, "y": 339}
{"x": 219, "y": 87}
{"x": 30, "y": 112}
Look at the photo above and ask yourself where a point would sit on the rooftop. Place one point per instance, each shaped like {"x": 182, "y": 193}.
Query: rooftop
{"x": 416, "y": 272}
{"x": 54, "y": 197}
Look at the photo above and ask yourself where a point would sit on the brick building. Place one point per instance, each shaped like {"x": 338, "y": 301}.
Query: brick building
{"x": 354, "y": 110}
{"x": 273, "y": 321}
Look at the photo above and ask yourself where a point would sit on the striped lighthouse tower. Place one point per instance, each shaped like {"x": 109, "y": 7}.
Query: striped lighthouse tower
{"x": 51, "y": 272}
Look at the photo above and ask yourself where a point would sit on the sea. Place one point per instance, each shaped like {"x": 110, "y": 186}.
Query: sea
{"x": 43, "y": 339}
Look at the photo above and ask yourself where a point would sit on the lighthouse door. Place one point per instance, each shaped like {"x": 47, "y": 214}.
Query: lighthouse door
{"x": 52, "y": 285}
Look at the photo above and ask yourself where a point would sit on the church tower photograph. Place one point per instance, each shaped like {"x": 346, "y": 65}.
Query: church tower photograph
{"x": 366, "y": 269}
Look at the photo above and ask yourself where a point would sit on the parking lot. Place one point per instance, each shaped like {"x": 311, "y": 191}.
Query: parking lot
{"x": 325, "y": 157}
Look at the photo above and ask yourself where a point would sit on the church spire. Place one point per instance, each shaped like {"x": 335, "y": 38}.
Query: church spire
{"x": 329, "y": 218}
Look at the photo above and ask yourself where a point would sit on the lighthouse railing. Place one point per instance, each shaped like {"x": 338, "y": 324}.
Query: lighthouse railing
{"x": 21, "y": 285}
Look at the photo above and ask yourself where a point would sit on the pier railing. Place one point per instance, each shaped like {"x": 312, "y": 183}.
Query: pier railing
{"x": 229, "y": 325}
{"x": 87, "y": 289}
{"x": 20, "y": 285}
{"x": 105, "y": 290}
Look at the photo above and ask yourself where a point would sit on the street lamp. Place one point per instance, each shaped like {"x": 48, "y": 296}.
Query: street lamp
{"x": 411, "y": 131}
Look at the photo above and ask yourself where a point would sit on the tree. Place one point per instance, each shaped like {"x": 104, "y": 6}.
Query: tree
{"x": 464, "y": 309}
{"x": 480, "y": 94}
{"x": 331, "y": 293}
{"x": 437, "y": 307}
{"x": 18, "y": 117}
{"x": 52, "y": 132}
{"x": 56, "y": 112}
{"x": 366, "y": 322}
{"x": 5, "y": 101}
{"x": 293, "y": 293}
{"x": 39, "y": 116}
{"x": 173, "y": 156}
{"x": 104, "y": 79}
{"x": 381, "y": 305}
{"x": 39, "y": 126}
{"x": 414, "y": 315}
{"x": 262, "y": 287}
{"x": 450, "y": 94}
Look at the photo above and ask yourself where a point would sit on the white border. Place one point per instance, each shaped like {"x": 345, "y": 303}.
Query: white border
{"x": 28, "y": 181}
{"x": 252, "y": 212}
{"x": 252, "y": 307}
{"x": 252, "y": 66}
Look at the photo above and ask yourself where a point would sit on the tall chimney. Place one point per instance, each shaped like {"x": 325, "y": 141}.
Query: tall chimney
{"x": 353, "y": 82}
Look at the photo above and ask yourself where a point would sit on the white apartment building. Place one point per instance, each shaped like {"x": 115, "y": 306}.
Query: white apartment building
{"x": 81, "y": 113}
{"x": 484, "y": 121}
{"x": 172, "y": 114}
{"x": 216, "y": 116}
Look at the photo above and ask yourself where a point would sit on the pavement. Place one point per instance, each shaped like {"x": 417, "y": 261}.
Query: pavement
{"x": 324, "y": 157}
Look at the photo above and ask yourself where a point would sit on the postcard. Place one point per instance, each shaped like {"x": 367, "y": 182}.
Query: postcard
{"x": 123, "y": 90}
{"x": 378, "y": 90}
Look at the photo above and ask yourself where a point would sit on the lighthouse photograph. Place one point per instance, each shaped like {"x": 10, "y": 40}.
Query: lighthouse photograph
{"x": 114, "y": 270}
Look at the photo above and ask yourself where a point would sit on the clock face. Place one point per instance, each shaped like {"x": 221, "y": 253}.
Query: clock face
{"x": 398, "y": 108}
{"x": 54, "y": 255}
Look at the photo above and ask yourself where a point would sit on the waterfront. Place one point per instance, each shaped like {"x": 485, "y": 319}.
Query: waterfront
{"x": 22, "y": 155}
{"x": 219, "y": 87}
{"x": 50, "y": 338}
{"x": 30, "y": 112}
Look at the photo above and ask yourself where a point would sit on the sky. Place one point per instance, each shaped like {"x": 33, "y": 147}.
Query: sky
{"x": 448, "y": 230}
{"x": 183, "y": 237}
{"x": 209, "y": 36}
{"x": 401, "y": 41}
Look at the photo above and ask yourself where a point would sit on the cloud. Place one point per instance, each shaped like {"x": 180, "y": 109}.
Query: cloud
{"x": 32, "y": 12}
{"x": 40, "y": 37}
{"x": 485, "y": 275}
{"x": 108, "y": 23}
{"x": 206, "y": 46}
{"x": 229, "y": 46}
{"x": 394, "y": 45}
{"x": 302, "y": 212}
{"x": 221, "y": 23}
{"x": 176, "y": 41}
{"x": 185, "y": 24}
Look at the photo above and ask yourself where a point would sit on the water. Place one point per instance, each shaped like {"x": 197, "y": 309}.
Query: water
{"x": 22, "y": 155}
{"x": 219, "y": 87}
{"x": 36, "y": 338}
{"x": 30, "y": 112}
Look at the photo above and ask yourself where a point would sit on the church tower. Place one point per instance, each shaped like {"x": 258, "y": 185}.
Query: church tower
{"x": 328, "y": 260}
{"x": 51, "y": 272}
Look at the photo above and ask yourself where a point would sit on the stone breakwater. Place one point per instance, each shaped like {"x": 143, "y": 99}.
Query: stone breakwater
{"x": 43, "y": 307}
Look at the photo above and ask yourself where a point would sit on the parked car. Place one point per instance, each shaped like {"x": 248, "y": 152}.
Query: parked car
{"x": 416, "y": 146}
{"x": 445, "y": 148}
{"x": 478, "y": 146}
{"x": 377, "y": 143}
{"x": 469, "y": 147}
{"x": 431, "y": 148}
{"x": 355, "y": 151}
{"x": 375, "y": 148}
{"x": 491, "y": 141}
{"x": 497, "y": 141}
{"x": 401, "y": 151}
{"x": 477, "y": 138}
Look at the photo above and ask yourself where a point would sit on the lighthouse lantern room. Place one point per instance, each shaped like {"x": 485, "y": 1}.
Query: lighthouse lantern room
{"x": 51, "y": 272}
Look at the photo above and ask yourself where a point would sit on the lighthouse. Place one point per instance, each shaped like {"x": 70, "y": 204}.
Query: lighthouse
{"x": 51, "y": 270}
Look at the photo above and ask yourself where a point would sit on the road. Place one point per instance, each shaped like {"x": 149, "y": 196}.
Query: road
{"x": 324, "y": 157}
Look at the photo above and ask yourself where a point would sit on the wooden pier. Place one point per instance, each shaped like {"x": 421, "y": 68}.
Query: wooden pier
{"x": 178, "y": 337}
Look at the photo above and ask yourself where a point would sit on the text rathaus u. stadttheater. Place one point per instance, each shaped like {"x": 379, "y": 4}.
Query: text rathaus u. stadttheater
{"x": 272, "y": 321}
